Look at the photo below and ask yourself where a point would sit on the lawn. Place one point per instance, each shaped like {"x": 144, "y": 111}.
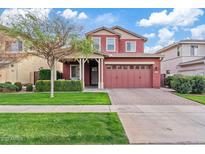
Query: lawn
{"x": 72, "y": 98}
{"x": 193, "y": 97}
{"x": 61, "y": 128}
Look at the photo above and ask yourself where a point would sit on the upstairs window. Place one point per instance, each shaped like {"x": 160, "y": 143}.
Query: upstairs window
{"x": 193, "y": 51}
{"x": 178, "y": 51}
{"x": 97, "y": 43}
{"x": 130, "y": 46}
{"x": 16, "y": 46}
{"x": 110, "y": 44}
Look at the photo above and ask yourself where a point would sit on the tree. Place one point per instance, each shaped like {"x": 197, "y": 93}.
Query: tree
{"x": 48, "y": 37}
{"x": 7, "y": 58}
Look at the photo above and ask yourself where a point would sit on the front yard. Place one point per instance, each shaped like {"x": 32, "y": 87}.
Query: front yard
{"x": 69, "y": 98}
{"x": 61, "y": 128}
{"x": 194, "y": 97}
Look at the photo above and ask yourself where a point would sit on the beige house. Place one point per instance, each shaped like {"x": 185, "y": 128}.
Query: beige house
{"x": 23, "y": 71}
{"x": 186, "y": 57}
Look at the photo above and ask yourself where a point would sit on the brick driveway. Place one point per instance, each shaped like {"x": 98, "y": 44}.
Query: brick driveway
{"x": 153, "y": 116}
{"x": 146, "y": 97}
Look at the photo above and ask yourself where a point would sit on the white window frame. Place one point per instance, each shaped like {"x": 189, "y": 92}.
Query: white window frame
{"x": 73, "y": 78}
{"x": 130, "y": 42}
{"x": 195, "y": 52}
{"x": 114, "y": 44}
{"x": 99, "y": 38}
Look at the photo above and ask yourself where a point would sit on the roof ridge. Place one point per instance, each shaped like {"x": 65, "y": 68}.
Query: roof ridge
{"x": 130, "y": 32}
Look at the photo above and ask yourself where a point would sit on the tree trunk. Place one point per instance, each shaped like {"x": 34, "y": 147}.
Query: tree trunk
{"x": 52, "y": 81}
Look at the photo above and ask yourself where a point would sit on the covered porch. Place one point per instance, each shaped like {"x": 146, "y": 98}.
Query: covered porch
{"x": 89, "y": 69}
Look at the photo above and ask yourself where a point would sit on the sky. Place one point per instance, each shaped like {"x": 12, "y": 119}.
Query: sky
{"x": 161, "y": 26}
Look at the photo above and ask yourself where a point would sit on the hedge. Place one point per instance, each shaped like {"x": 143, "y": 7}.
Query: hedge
{"x": 198, "y": 84}
{"x": 19, "y": 85}
{"x": 181, "y": 84}
{"x": 7, "y": 87}
{"x": 29, "y": 87}
{"x": 59, "y": 85}
{"x": 186, "y": 84}
{"x": 45, "y": 74}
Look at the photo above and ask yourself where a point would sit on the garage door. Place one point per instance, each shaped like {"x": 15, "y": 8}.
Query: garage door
{"x": 128, "y": 76}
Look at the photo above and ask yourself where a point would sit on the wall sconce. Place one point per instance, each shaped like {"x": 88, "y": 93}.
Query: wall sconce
{"x": 156, "y": 68}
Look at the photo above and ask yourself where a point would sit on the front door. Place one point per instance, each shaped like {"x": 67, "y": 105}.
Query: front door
{"x": 74, "y": 72}
{"x": 94, "y": 75}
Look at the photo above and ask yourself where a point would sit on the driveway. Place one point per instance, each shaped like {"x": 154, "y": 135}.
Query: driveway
{"x": 146, "y": 97}
{"x": 153, "y": 116}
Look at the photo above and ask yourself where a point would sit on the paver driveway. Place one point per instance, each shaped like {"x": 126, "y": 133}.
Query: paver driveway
{"x": 157, "y": 116}
{"x": 146, "y": 97}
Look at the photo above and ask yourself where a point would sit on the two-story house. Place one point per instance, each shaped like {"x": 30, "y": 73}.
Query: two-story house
{"x": 22, "y": 71}
{"x": 185, "y": 57}
{"x": 120, "y": 61}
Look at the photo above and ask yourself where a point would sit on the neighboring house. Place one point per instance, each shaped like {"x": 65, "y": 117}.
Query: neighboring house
{"x": 23, "y": 71}
{"x": 185, "y": 57}
{"x": 119, "y": 61}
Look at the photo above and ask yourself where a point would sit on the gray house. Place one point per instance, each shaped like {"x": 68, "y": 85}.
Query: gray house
{"x": 186, "y": 57}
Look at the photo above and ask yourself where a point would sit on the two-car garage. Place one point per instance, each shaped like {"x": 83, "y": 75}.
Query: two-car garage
{"x": 128, "y": 76}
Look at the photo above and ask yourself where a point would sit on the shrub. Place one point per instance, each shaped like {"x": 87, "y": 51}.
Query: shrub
{"x": 45, "y": 74}
{"x": 29, "y": 87}
{"x": 7, "y": 87}
{"x": 8, "y": 82}
{"x": 59, "y": 85}
{"x": 19, "y": 85}
{"x": 198, "y": 84}
{"x": 168, "y": 81}
{"x": 181, "y": 84}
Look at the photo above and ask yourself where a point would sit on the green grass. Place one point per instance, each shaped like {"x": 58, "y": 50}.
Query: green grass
{"x": 194, "y": 97}
{"x": 61, "y": 128}
{"x": 72, "y": 98}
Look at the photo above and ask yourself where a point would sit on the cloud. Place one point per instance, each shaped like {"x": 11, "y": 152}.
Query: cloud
{"x": 82, "y": 15}
{"x": 198, "y": 32}
{"x": 152, "y": 49}
{"x": 70, "y": 14}
{"x": 178, "y": 17}
{"x": 9, "y": 15}
{"x": 149, "y": 35}
{"x": 107, "y": 18}
{"x": 165, "y": 36}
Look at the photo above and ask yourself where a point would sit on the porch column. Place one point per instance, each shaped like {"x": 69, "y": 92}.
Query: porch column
{"x": 99, "y": 70}
{"x": 80, "y": 69}
{"x": 102, "y": 80}
{"x": 83, "y": 70}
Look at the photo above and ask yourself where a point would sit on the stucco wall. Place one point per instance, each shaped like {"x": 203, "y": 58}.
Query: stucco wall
{"x": 23, "y": 71}
{"x": 171, "y": 60}
{"x": 119, "y": 41}
{"x": 196, "y": 69}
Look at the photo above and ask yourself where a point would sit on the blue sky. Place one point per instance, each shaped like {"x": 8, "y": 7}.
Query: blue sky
{"x": 161, "y": 26}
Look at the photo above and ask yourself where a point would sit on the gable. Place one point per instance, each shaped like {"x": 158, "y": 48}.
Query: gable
{"x": 102, "y": 32}
{"x": 125, "y": 35}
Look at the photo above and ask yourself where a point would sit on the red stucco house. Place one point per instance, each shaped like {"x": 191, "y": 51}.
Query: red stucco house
{"x": 120, "y": 61}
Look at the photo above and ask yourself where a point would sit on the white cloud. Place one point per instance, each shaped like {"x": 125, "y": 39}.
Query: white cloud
{"x": 9, "y": 15}
{"x": 165, "y": 36}
{"x": 178, "y": 17}
{"x": 149, "y": 35}
{"x": 152, "y": 49}
{"x": 198, "y": 32}
{"x": 82, "y": 15}
{"x": 70, "y": 14}
{"x": 107, "y": 18}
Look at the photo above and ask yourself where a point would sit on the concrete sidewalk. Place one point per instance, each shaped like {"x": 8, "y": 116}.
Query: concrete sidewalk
{"x": 105, "y": 108}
